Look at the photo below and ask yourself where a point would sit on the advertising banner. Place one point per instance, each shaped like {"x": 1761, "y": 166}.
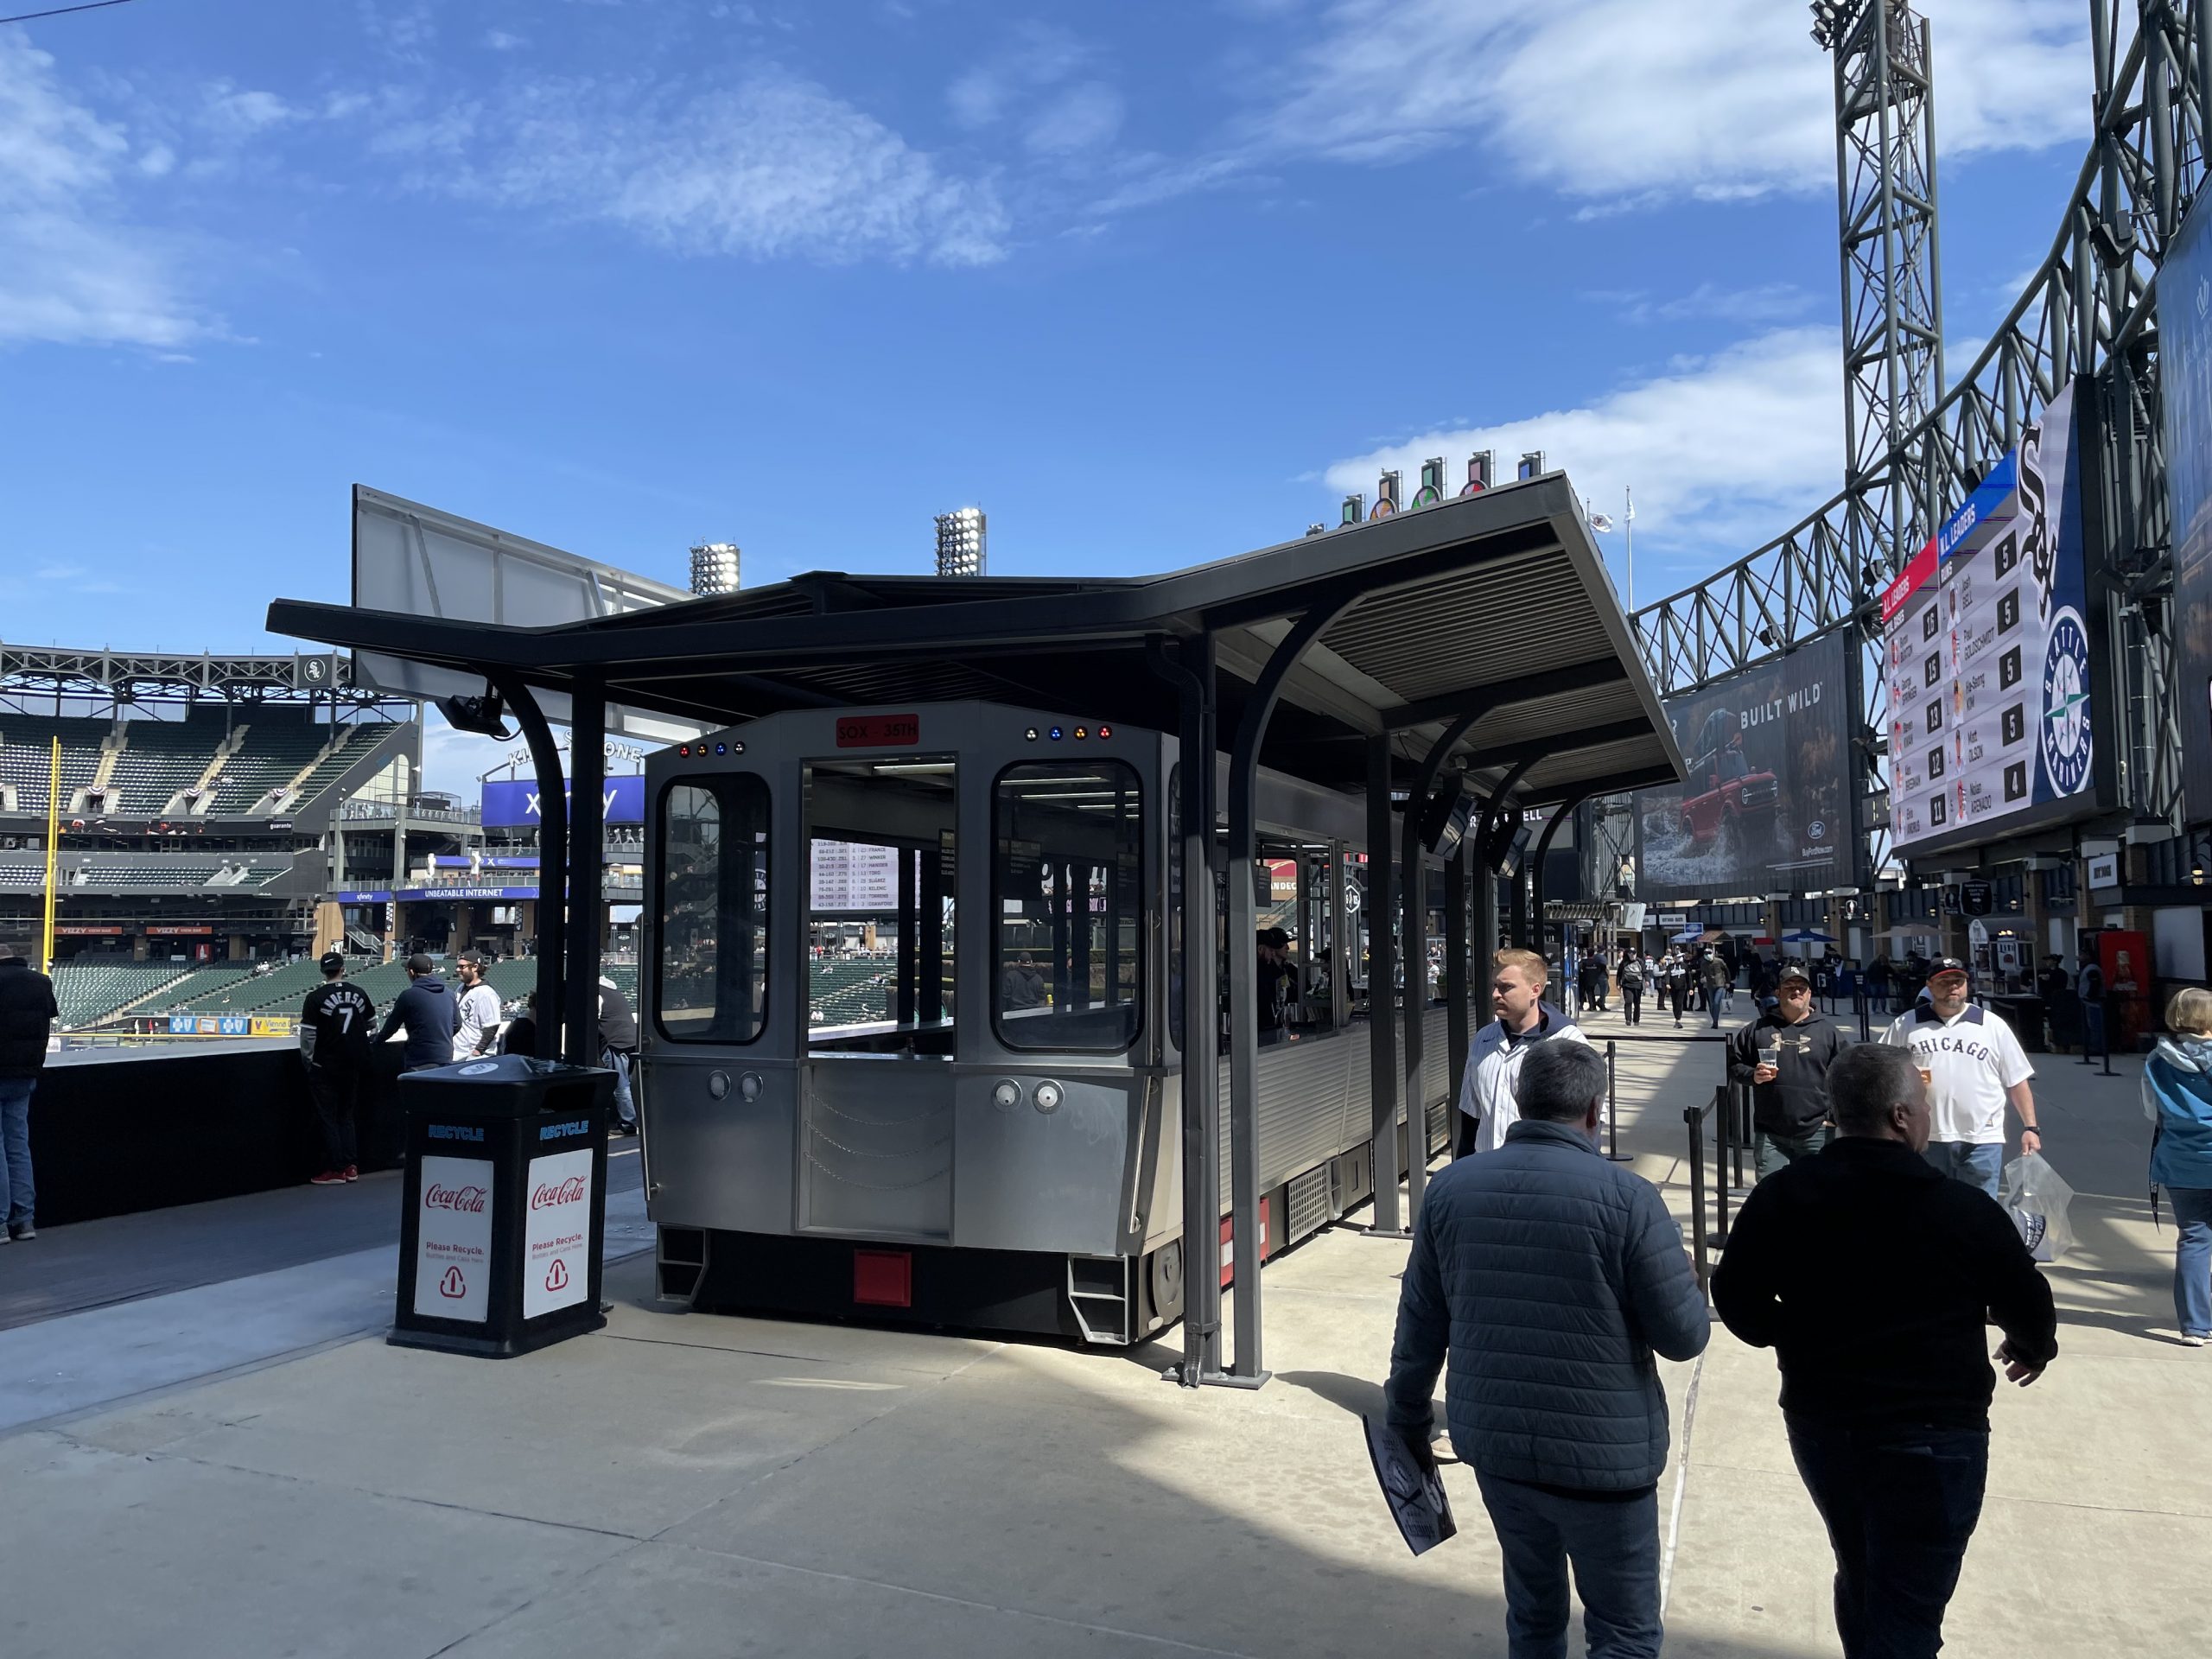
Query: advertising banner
{"x": 556, "y": 1235}
{"x": 1987, "y": 648}
{"x": 453, "y": 1241}
{"x": 1767, "y": 805}
{"x": 512, "y": 802}
{"x": 2185, "y": 394}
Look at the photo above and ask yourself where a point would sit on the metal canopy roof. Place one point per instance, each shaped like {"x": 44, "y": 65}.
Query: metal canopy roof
{"x": 1495, "y": 605}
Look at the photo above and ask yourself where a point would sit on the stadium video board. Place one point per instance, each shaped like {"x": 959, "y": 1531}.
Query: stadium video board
{"x": 1987, "y": 645}
{"x": 2185, "y": 392}
{"x": 1766, "y": 806}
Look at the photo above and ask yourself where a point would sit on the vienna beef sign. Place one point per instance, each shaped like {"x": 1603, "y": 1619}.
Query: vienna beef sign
{"x": 556, "y": 1233}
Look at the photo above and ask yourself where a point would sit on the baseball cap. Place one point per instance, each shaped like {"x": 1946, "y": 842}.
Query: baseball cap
{"x": 1943, "y": 965}
{"x": 333, "y": 961}
{"x": 1793, "y": 970}
{"x": 1274, "y": 936}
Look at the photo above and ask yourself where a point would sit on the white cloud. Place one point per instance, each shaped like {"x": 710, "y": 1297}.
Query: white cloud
{"x": 1635, "y": 101}
{"x": 1086, "y": 118}
{"x": 1764, "y": 302}
{"x": 452, "y": 761}
{"x": 74, "y": 270}
{"x": 772, "y": 167}
{"x": 1721, "y": 451}
{"x": 500, "y": 40}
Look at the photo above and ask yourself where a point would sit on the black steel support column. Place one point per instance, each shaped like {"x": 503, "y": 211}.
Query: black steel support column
{"x": 1193, "y": 679}
{"x": 1382, "y": 1024}
{"x": 552, "y": 858}
{"x": 1244, "y": 975}
{"x": 1519, "y": 909}
{"x": 1458, "y": 1023}
{"x": 1560, "y": 814}
{"x": 1414, "y": 932}
{"x": 586, "y": 863}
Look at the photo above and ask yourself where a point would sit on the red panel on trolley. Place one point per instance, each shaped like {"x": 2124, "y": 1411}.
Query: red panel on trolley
{"x": 883, "y": 1279}
{"x": 1227, "y": 1243}
{"x": 879, "y": 731}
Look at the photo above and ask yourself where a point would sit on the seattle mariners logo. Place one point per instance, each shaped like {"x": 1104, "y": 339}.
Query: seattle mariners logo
{"x": 2067, "y": 746}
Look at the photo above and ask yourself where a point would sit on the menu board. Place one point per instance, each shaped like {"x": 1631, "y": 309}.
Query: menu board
{"x": 1986, "y": 641}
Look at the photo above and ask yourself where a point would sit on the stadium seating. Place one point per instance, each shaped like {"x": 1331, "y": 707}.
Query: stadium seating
{"x": 357, "y": 741}
{"x": 90, "y": 988}
{"x": 207, "y": 978}
{"x": 844, "y": 992}
{"x": 279, "y": 992}
{"x": 278, "y": 744}
{"x": 26, "y": 757}
{"x": 159, "y": 758}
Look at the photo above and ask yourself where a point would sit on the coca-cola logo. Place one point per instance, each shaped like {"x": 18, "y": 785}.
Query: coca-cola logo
{"x": 469, "y": 1199}
{"x": 568, "y": 1192}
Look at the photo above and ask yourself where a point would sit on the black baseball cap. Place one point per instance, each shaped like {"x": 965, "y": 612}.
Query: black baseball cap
{"x": 1793, "y": 970}
{"x": 1943, "y": 965}
{"x": 333, "y": 961}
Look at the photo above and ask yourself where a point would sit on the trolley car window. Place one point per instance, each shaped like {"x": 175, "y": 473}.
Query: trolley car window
{"x": 711, "y": 979}
{"x": 1067, "y": 905}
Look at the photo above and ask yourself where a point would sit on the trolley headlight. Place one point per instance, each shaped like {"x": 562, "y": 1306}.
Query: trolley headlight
{"x": 718, "y": 1084}
{"x": 1006, "y": 1094}
{"x": 750, "y": 1086}
{"x": 1047, "y": 1097}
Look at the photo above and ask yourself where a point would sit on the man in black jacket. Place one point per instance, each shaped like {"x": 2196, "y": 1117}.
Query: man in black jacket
{"x": 1785, "y": 1055}
{"x": 431, "y": 1013}
{"x": 27, "y": 1013}
{"x": 1868, "y": 1272}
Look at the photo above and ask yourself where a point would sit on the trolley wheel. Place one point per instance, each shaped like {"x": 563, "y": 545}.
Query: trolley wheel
{"x": 1167, "y": 1279}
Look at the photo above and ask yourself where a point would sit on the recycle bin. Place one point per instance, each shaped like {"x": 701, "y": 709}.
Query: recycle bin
{"x": 505, "y": 1205}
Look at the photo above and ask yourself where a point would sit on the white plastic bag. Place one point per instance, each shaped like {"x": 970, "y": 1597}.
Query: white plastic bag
{"x": 2036, "y": 1199}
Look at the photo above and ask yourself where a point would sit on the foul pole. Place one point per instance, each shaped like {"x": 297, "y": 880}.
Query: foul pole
{"x": 53, "y": 857}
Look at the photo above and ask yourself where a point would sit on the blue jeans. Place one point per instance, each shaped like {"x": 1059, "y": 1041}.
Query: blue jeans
{"x": 18, "y": 1195}
{"x": 1965, "y": 1160}
{"x": 1900, "y": 1503}
{"x": 1773, "y": 1151}
{"x": 2193, "y": 1259}
{"x": 625, "y": 1108}
{"x": 1615, "y": 1550}
{"x": 1715, "y": 999}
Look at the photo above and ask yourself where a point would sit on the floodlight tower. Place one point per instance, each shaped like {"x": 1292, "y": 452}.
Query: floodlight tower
{"x": 963, "y": 542}
{"x": 1892, "y": 293}
{"x": 714, "y": 567}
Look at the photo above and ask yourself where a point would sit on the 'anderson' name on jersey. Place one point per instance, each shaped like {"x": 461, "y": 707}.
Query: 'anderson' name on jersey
{"x": 342, "y": 1018}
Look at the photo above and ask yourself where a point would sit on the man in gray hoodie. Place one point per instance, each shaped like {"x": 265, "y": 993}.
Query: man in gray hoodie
{"x": 1553, "y": 1278}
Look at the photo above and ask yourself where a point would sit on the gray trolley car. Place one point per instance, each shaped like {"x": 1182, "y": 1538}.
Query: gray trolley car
{"x": 1037, "y": 1113}
{"x": 998, "y": 1144}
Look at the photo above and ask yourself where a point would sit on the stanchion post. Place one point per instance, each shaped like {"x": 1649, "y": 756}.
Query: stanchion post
{"x": 1723, "y": 1114}
{"x": 1612, "y": 1106}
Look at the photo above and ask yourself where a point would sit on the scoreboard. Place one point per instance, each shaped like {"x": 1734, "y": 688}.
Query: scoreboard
{"x": 1986, "y": 642}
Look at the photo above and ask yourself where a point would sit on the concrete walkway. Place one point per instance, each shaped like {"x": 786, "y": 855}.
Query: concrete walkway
{"x": 688, "y": 1484}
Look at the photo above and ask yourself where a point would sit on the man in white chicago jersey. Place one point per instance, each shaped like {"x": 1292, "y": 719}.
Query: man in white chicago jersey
{"x": 1487, "y": 1105}
{"x": 1973, "y": 1066}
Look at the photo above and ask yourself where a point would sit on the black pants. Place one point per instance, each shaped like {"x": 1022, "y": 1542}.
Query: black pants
{"x": 1465, "y": 1127}
{"x": 1900, "y": 1503}
{"x": 334, "y": 1092}
{"x": 1632, "y": 1004}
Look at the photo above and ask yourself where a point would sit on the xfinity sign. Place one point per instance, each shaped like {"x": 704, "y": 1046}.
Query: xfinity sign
{"x": 511, "y": 804}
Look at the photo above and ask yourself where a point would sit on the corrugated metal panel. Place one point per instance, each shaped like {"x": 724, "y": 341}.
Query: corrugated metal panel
{"x": 1309, "y": 1203}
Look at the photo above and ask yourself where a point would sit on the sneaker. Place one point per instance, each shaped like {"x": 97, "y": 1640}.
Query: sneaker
{"x": 2187, "y": 1341}
{"x": 353, "y": 1171}
{"x": 25, "y": 1233}
{"x": 328, "y": 1178}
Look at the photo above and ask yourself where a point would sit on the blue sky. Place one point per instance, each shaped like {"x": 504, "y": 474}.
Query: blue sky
{"x": 1153, "y": 282}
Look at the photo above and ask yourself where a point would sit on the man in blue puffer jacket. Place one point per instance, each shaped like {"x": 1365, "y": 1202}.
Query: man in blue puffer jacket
{"x": 1553, "y": 1278}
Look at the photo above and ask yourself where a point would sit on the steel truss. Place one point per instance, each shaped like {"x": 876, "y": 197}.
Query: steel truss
{"x": 126, "y": 676}
{"x": 2089, "y": 311}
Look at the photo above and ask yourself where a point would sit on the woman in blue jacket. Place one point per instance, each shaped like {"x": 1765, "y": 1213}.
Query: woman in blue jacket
{"x": 2178, "y": 1096}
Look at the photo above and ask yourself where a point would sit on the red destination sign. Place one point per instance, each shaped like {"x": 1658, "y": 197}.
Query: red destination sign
{"x": 879, "y": 731}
